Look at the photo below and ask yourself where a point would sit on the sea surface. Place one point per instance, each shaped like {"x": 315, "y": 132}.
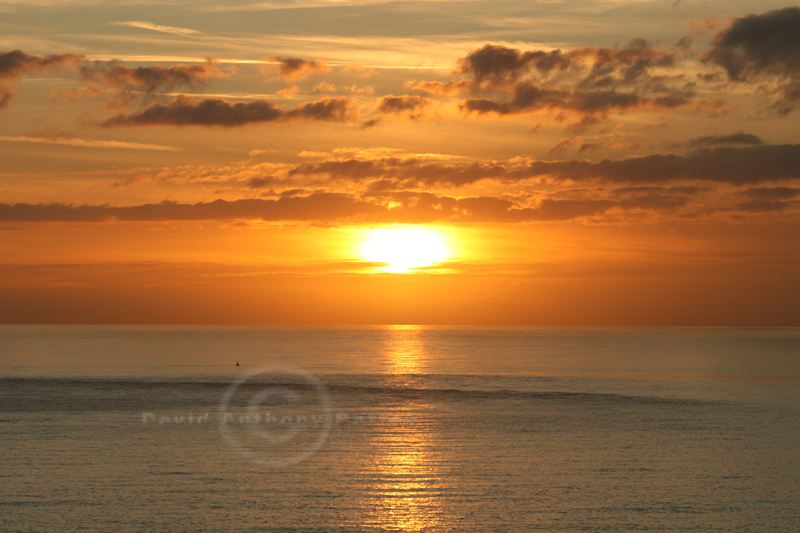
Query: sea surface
{"x": 399, "y": 428}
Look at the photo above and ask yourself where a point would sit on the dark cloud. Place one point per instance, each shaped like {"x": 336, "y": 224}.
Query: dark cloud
{"x": 292, "y": 69}
{"x": 594, "y": 96}
{"x": 791, "y": 92}
{"x": 588, "y": 147}
{"x": 527, "y": 98}
{"x": 185, "y": 111}
{"x": 398, "y": 206}
{"x": 768, "y": 199}
{"x": 569, "y": 209}
{"x": 586, "y": 106}
{"x": 607, "y": 66}
{"x": 613, "y": 66}
{"x": 759, "y": 44}
{"x": 754, "y": 164}
{"x": 714, "y": 77}
{"x": 320, "y": 206}
{"x": 586, "y": 83}
{"x": 762, "y": 206}
{"x": 691, "y": 190}
{"x": 329, "y": 109}
{"x": 390, "y": 206}
{"x": 733, "y": 138}
{"x": 736, "y": 165}
{"x": 646, "y": 189}
{"x": 15, "y": 63}
{"x": 788, "y": 98}
{"x": 419, "y": 207}
{"x": 654, "y": 201}
{"x": 499, "y": 63}
{"x": 640, "y": 198}
{"x": 147, "y": 80}
{"x": 5, "y": 97}
{"x": 772, "y": 193}
{"x": 347, "y": 169}
{"x": 409, "y": 106}
{"x": 413, "y": 106}
{"x": 762, "y": 47}
{"x": 260, "y": 183}
{"x": 412, "y": 171}
{"x": 295, "y": 192}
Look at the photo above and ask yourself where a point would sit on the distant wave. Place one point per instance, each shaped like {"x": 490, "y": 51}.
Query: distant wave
{"x": 41, "y": 394}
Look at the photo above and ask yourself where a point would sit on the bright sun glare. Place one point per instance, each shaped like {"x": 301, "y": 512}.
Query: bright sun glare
{"x": 404, "y": 249}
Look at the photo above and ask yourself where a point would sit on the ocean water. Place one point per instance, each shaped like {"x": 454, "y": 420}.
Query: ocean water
{"x": 143, "y": 428}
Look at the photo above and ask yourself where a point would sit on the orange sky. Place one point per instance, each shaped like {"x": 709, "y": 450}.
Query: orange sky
{"x": 627, "y": 163}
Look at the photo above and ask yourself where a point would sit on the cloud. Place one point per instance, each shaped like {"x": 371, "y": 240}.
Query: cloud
{"x": 289, "y": 91}
{"x": 500, "y": 63}
{"x": 549, "y": 210}
{"x": 759, "y": 44}
{"x": 129, "y": 81}
{"x": 733, "y": 138}
{"x": 586, "y": 83}
{"x": 690, "y": 190}
{"x": 157, "y": 27}
{"x": 768, "y": 199}
{"x": 772, "y": 193}
{"x": 607, "y": 66}
{"x": 91, "y": 143}
{"x": 654, "y": 201}
{"x": 362, "y": 70}
{"x": 587, "y": 106}
{"x": 739, "y": 166}
{"x": 406, "y": 104}
{"x": 400, "y": 207}
{"x": 438, "y": 88}
{"x": 293, "y": 69}
{"x": 790, "y": 93}
{"x": 409, "y": 106}
{"x": 403, "y": 206}
{"x": 762, "y": 206}
{"x": 725, "y": 164}
{"x": 527, "y": 98}
{"x": 15, "y": 63}
{"x": 260, "y": 182}
{"x": 762, "y": 47}
{"x": 185, "y": 111}
{"x": 324, "y": 87}
{"x": 150, "y": 79}
{"x": 355, "y": 89}
{"x": 320, "y": 206}
{"x": 5, "y": 97}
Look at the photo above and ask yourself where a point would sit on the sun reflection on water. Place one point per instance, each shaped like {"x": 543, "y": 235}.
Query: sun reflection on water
{"x": 408, "y": 486}
{"x": 405, "y": 351}
{"x": 407, "y": 491}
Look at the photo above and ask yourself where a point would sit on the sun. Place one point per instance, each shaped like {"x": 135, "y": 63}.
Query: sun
{"x": 404, "y": 249}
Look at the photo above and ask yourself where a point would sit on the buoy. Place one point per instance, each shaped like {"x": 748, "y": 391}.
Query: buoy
{"x": 237, "y": 363}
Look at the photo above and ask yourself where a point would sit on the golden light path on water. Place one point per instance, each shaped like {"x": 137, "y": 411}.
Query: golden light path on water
{"x": 407, "y": 489}
{"x": 404, "y": 249}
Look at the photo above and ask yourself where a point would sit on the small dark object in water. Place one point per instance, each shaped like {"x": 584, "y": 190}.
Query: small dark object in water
{"x": 237, "y": 363}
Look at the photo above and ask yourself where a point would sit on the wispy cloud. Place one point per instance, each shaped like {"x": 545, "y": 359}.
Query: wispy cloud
{"x": 301, "y": 4}
{"x": 87, "y": 143}
{"x": 157, "y": 27}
